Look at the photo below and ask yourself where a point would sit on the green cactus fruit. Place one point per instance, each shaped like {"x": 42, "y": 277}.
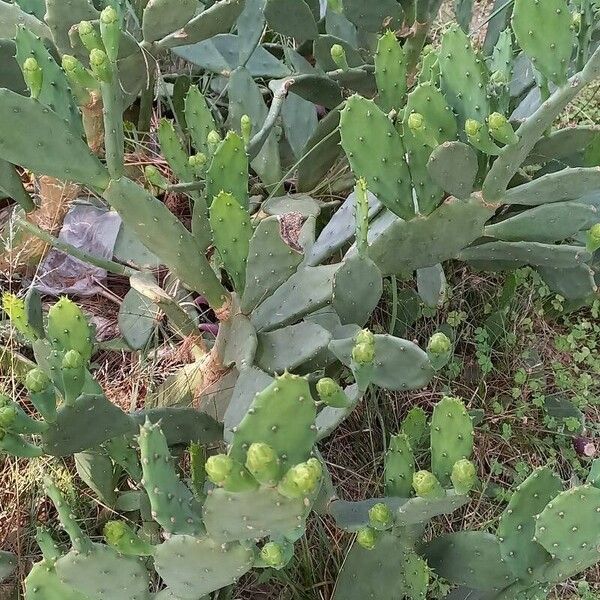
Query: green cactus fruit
{"x": 227, "y": 473}
{"x": 499, "y": 78}
{"x": 212, "y": 141}
{"x": 593, "y": 238}
{"x": 331, "y": 394}
{"x": 14, "y": 419}
{"x": 479, "y": 137}
{"x": 427, "y": 485}
{"x": 365, "y": 337}
{"x": 122, "y": 538}
{"x": 155, "y": 177}
{"x": 439, "y": 350}
{"x": 198, "y": 164}
{"x": 77, "y": 74}
{"x": 72, "y": 360}
{"x": 273, "y": 555}
{"x": 501, "y": 130}
{"x": 15, "y": 309}
{"x": 37, "y": 381}
{"x": 464, "y": 476}
{"x": 15, "y": 445}
{"x": 8, "y": 414}
{"x": 33, "y": 76}
{"x": 367, "y": 538}
{"x": 338, "y": 55}
{"x": 380, "y": 517}
{"x": 301, "y": 480}
{"x": 246, "y": 128}
{"x": 110, "y": 31}
{"x": 363, "y": 354}
{"x": 263, "y": 463}
{"x": 68, "y": 329}
{"x": 89, "y": 37}
{"x": 418, "y": 126}
{"x": 100, "y": 65}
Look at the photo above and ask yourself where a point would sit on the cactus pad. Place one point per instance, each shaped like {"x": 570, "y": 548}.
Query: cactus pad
{"x": 376, "y": 153}
{"x": 568, "y": 526}
{"x": 282, "y": 416}
{"x": 453, "y": 166}
{"x": 390, "y": 72}
{"x": 420, "y": 510}
{"x": 289, "y": 347}
{"x": 194, "y": 566}
{"x": 199, "y": 119}
{"x": 550, "y": 50}
{"x": 451, "y": 437}
{"x": 160, "y": 18}
{"x": 388, "y": 572}
{"x": 68, "y": 329}
{"x": 173, "y": 150}
{"x": 374, "y": 16}
{"x": 171, "y": 501}
{"x": 230, "y": 516}
{"x": 399, "y": 467}
{"x": 398, "y": 365}
{"x": 516, "y": 529}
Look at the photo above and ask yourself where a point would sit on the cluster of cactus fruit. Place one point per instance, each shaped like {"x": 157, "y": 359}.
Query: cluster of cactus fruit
{"x": 441, "y": 174}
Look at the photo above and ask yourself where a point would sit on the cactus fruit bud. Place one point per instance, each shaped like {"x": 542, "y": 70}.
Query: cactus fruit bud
{"x": 100, "y": 65}
{"x": 498, "y": 78}
{"x": 33, "y": 76}
{"x": 367, "y": 538}
{"x": 338, "y": 55}
{"x": 246, "y": 128}
{"x": 472, "y": 127}
{"x": 72, "y": 360}
{"x": 380, "y": 517}
{"x": 154, "y": 177}
{"x": 593, "y": 238}
{"x": 301, "y": 480}
{"x": 8, "y": 414}
{"x": 89, "y": 36}
{"x": 263, "y": 463}
{"x": 331, "y": 393}
{"x": 463, "y": 476}
{"x": 365, "y": 337}
{"x": 427, "y": 485}
{"x": 213, "y": 139}
{"x": 439, "y": 344}
{"x": 37, "y": 381}
{"x": 416, "y": 121}
{"x": 121, "y": 537}
{"x": 198, "y": 163}
{"x": 223, "y": 471}
{"x": 363, "y": 354}
{"x": 110, "y": 32}
{"x": 78, "y": 75}
{"x": 501, "y": 129}
{"x": 273, "y": 555}
{"x": 576, "y": 20}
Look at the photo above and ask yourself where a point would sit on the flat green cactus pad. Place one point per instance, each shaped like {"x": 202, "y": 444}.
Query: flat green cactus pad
{"x": 102, "y": 573}
{"x": 420, "y": 510}
{"x": 282, "y": 416}
{"x": 388, "y": 572}
{"x": 8, "y": 563}
{"x": 469, "y": 558}
{"x": 61, "y": 16}
{"x": 374, "y": 16}
{"x": 516, "y": 529}
{"x": 199, "y": 119}
{"x": 43, "y": 583}
{"x": 230, "y": 516}
{"x": 194, "y": 566}
{"x": 160, "y": 18}
{"x": 453, "y": 166}
{"x": 353, "y": 516}
{"x": 390, "y": 72}
{"x": 68, "y": 329}
{"x": 568, "y": 525}
{"x": 399, "y": 467}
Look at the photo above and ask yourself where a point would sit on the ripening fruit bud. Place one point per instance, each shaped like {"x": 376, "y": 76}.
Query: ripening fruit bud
{"x": 365, "y": 337}
{"x": 78, "y": 75}
{"x": 367, "y": 538}
{"x": 121, "y": 536}
{"x": 273, "y": 555}
{"x": 472, "y": 127}
{"x": 109, "y": 30}
{"x": 89, "y": 36}
{"x": 593, "y": 238}
{"x": 331, "y": 393}
{"x": 498, "y": 78}
{"x": 198, "y": 163}
{"x": 576, "y": 20}
{"x": 37, "y": 381}
{"x": 301, "y": 480}
{"x": 439, "y": 343}
{"x": 463, "y": 476}
{"x": 262, "y": 461}
{"x": 213, "y": 140}
{"x": 363, "y": 354}
{"x": 338, "y": 55}
{"x": 315, "y": 466}
{"x": 380, "y": 517}
{"x": 72, "y": 360}
{"x": 427, "y": 485}
{"x": 246, "y": 128}
{"x": 33, "y": 76}
{"x": 416, "y": 121}
{"x": 218, "y": 468}
{"x": 100, "y": 65}
{"x": 501, "y": 129}
{"x": 154, "y": 177}
{"x": 8, "y": 414}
